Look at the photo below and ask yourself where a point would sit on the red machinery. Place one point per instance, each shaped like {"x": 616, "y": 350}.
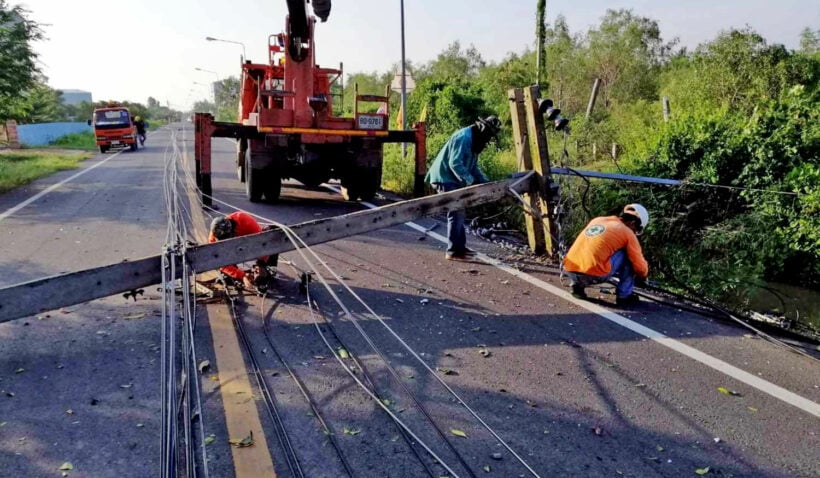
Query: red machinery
{"x": 288, "y": 128}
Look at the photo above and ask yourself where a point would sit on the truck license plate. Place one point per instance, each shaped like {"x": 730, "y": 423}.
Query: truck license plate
{"x": 115, "y": 142}
{"x": 371, "y": 122}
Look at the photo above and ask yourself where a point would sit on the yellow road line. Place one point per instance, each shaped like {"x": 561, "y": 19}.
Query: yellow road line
{"x": 241, "y": 412}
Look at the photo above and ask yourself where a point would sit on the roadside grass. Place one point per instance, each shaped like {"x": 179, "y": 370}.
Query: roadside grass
{"x": 84, "y": 140}
{"x": 20, "y": 167}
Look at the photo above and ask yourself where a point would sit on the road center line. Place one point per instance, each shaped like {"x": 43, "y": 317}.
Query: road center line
{"x": 47, "y": 190}
{"x": 754, "y": 381}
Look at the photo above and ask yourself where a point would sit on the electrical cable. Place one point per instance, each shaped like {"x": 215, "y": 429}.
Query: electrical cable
{"x": 305, "y": 393}
{"x": 293, "y": 237}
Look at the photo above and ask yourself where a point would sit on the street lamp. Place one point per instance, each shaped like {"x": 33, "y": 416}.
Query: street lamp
{"x": 230, "y": 41}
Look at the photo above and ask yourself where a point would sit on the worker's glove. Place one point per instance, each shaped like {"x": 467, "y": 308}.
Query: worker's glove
{"x": 247, "y": 280}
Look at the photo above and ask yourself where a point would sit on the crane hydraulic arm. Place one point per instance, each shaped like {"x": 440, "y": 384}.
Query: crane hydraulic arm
{"x": 299, "y": 27}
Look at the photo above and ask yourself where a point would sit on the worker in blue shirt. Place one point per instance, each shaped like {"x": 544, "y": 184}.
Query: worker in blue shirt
{"x": 456, "y": 166}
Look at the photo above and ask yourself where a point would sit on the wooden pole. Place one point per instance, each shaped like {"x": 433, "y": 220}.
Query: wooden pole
{"x": 548, "y": 191}
{"x": 518, "y": 114}
{"x": 593, "y": 96}
{"x": 666, "y": 110}
{"x": 614, "y": 151}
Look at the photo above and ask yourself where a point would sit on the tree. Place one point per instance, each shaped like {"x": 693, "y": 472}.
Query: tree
{"x": 540, "y": 40}
{"x": 18, "y": 67}
{"x": 40, "y": 104}
{"x": 625, "y": 52}
{"x": 810, "y": 41}
{"x": 227, "y": 99}
{"x": 455, "y": 63}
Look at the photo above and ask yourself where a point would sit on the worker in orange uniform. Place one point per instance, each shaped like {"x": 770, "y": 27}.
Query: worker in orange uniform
{"x": 240, "y": 224}
{"x": 608, "y": 247}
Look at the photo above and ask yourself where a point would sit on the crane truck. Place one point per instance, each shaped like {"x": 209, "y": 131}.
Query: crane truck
{"x": 289, "y": 126}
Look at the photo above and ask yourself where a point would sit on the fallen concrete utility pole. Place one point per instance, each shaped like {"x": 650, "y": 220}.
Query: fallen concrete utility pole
{"x": 51, "y": 293}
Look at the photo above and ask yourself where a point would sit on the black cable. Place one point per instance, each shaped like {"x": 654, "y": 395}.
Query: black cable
{"x": 372, "y": 386}
{"x": 406, "y": 390}
{"x": 306, "y": 394}
{"x": 270, "y": 403}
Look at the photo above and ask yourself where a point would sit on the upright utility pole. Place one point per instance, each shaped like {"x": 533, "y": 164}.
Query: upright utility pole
{"x": 541, "y": 38}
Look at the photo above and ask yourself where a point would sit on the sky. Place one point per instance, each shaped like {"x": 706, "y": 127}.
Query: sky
{"x": 132, "y": 50}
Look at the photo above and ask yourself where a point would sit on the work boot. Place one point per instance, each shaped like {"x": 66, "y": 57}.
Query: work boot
{"x": 631, "y": 299}
{"x": 578, "y": 291}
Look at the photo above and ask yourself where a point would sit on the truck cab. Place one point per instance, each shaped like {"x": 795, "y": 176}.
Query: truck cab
{"x": 114, "y": 128}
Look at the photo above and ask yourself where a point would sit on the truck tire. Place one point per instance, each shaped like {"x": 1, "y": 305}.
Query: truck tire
{"x": 241, "y": 154}
{"x": 103, "y": 149}
{"x": 254, "y": 181}
{"x": 133, "y": 146}
{"x": 363, "y": 186}
{"x": 272, "y": 185}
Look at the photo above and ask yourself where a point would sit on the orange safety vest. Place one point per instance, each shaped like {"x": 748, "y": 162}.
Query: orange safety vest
{"x": 600, "y": 239}
{"x": 245, "y": 225}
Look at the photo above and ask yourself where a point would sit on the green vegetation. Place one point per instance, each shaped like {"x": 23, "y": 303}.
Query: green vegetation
{"x": 20, "y": 167}
{"x": 84, "y": 140}
{"x": 744, "y": 113}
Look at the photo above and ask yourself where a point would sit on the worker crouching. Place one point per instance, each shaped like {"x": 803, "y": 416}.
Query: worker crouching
{"x": 456, "y": 166}
{"x": 608, "y": 247}
{"x": 240, "y": 224}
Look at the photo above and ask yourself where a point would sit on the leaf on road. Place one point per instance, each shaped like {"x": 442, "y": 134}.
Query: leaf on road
{"x": 485, "y": 353}
{"x": 2, "y": 424}
{"x": 598, "y": 431}
{"x": 351, "y": 431}
{"x": 343, "y": 354}
{"x": 134, "y": 316}
{"x": 204, "y": 365}
{"x": 458, "y": 433}
{"x": 659, "y": 448}
{"x": 752, "y": 409}
{"x": 213, "y": 378}
{"x": 702, "y": 471}
{"x": 386, "y": 402}
{"x": 487, "y": 468}
{"x": 319, "y": 357}
{"x": 127, "y": 385}
{"x": 245, "y": 442}
{"x": 70, "y": 412}
{"x": 726, "y": 391}
{"x": 476, "y": 329}
{"x": 446, "y": 371}
{"x": 210, "y": 439}
{"x": 67, "y": 466}
{"x": 20, "y": 370}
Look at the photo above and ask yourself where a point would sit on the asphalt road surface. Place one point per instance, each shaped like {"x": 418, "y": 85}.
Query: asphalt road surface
{"x": 572, "y": 388}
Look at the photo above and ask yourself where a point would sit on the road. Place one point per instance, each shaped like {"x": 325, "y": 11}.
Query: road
{"x": 574, "y": 389}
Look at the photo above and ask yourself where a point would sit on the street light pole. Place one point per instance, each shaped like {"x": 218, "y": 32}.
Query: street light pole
{"x": 244, "y": 55}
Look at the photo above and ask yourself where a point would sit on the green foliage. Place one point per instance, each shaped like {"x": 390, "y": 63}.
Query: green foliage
{"x": 744, "y": 114}
{"x": 227, "y": 99}
{"x": 18, "y": 66}
{"x": 84, "y": 140}
{"x": 18, "y": 168}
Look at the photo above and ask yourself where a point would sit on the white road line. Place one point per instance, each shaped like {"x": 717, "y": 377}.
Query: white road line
{"x": 47, "y": 190}
{"x": 754, "y": 381}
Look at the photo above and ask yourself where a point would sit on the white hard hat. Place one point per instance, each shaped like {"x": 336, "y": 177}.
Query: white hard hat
{"x": 639, "y": 211}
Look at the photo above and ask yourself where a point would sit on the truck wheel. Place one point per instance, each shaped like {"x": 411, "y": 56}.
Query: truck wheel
{"x": 103, "y": 149}
{"x": 254, "y": 180}
{"x": 241, "y": 161}
{"x": 134, "y": 146}
{"x": 272, "y": 185}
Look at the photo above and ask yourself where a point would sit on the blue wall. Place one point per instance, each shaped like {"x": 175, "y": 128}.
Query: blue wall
{"x": 44, "y": 133}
